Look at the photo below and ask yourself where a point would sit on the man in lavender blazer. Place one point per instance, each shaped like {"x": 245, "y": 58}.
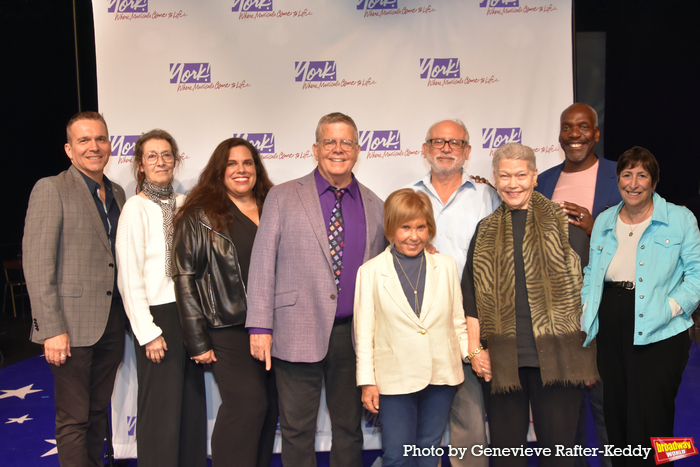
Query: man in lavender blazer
{"x": 299, "y": 318}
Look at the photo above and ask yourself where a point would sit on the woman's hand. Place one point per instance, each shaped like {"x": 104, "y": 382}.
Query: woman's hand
{"x": 205, "y": 358}
{"x": 155, "y": 350}
{"x": 481, "y": 364}
{"x": 370, "y": 398}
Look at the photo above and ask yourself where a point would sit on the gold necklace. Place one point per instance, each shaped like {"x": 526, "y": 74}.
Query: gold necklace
{"x": 415, "y": 289}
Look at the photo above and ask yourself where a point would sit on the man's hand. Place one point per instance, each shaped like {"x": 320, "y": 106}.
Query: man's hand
{"x": 261, "y": 347}
{"x": 479, "y": 179}
{"x": 155, "y": 350}
{"x": 370, "y": 398}
{"x": 57, "y": 349}
{"x": 578, "y": 215}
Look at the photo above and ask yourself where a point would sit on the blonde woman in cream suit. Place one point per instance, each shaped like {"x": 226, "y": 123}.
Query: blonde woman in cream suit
{"x": 410, "y": 332}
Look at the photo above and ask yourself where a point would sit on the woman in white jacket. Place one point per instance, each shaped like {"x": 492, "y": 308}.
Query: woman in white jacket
{"x": 171, "y": 419}
{"x": 410, "y": 332}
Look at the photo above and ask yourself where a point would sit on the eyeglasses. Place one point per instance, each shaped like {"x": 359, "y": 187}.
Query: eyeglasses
{"x": 152, "y": 157}
{"x": 439, "y": 143}
{"x": 330, "y": 144}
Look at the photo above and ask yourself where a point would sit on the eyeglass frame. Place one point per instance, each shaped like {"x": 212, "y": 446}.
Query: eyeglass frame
{"x": 447, "y": 142}
{"x": 163, "y": 155}
{"x": 324, "y": 142}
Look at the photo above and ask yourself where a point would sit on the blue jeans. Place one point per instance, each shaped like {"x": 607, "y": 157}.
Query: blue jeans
{"x": 416, "y": 419}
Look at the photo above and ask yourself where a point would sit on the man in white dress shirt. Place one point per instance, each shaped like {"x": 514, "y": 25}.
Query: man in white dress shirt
{"x": 459, "y": 204}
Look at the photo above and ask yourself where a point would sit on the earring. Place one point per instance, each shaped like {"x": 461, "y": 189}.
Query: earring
{"x": 535, "y": 183}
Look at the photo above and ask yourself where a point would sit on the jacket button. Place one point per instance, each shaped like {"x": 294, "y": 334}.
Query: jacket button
{"x": 332, "y": 296}
{"x": 641, "y": 296}
{"x": 423, "y": 331}
{"x": 667, "y": 241}
{"x": 640, "y": 333}
{"x": 641, "y": 315}
{"x": 599, "y": 248}
{"x": 641, "y": 280}
{"x": 111, "y": 265}
{"x": 642, "y": 247}
{"x": 641, "y": 263}
{"x": 109, "y": 293}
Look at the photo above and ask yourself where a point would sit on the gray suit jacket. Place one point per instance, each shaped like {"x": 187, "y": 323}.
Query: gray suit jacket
{"x": 67, "y": 259}
{"x": 291, "y": 288}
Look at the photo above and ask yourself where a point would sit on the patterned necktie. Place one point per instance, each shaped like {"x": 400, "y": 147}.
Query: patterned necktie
{"x": 336, "y": 235}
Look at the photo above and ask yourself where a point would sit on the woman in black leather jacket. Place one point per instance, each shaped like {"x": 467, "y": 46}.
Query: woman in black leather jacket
{"x": 213, "y": 240}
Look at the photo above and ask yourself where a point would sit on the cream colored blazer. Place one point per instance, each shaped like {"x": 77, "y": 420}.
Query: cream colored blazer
{"x": 398, "y": 351}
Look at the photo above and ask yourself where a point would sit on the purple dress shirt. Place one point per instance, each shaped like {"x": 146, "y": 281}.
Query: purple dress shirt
{"x": 355, "y": 237}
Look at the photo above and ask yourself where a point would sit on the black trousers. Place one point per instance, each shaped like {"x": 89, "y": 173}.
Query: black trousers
{"x": 171, "y": 425}
{"x": 640, "y": 381}
{"x": 83, "y": 389}
{"x": 245, "y": 426}
{"x": 299, "y": 386}
{"x": 555, "y": 410}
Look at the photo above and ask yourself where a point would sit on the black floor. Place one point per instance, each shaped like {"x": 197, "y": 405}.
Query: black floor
{"x": 15, "y": 345}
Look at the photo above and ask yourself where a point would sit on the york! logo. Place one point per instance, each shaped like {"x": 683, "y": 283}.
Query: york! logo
{"x": 377, "y": 4}
{"x": 497, "y": 137}
{"x": 123, "y": 145}
{"x": 315, "y": 71}
{"x": 252, "y": 5}
{"x": 499, "y": 3}
{"x": 439, "y": 68}
{"x": 263, "y": 142}
{"x": 388, "y": 140}
{"x": 127, "y": 6}
{"x": 190, "y": 73}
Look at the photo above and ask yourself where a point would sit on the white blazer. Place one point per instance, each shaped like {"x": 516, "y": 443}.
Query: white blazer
{"x": 398, "y": 351}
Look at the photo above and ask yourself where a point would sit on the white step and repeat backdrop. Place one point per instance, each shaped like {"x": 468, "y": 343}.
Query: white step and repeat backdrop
{"x": 267, "y": 70}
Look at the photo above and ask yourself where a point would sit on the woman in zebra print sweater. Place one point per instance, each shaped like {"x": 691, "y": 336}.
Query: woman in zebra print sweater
{"x": 521, "y": 287}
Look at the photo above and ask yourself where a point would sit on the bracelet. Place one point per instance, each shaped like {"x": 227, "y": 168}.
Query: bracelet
{"x": 473, "y": 354}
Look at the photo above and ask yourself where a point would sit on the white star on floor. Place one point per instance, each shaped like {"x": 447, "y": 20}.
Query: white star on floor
{"x": 19, "y": 420}
{"x": 21, "y": 392}
{"x": 53, "y": 451}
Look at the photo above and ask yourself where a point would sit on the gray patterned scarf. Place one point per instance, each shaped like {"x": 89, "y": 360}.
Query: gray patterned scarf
{"x": 157, "y": 195}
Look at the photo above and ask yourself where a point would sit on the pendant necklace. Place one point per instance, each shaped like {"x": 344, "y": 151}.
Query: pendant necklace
{"x": 415, "y": 289}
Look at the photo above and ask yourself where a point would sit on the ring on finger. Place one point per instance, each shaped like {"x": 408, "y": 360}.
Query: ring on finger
{"x": 581, "y": 215}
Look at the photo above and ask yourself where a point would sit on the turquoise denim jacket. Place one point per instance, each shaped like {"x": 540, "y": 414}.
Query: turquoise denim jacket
{"x": 667, "y": 266}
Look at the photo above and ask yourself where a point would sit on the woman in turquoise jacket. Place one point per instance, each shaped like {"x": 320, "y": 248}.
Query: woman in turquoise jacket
{"x": 641, "y": 285}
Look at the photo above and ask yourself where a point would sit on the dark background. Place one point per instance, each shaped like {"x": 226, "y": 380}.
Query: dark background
{"x": 649, "y": 79}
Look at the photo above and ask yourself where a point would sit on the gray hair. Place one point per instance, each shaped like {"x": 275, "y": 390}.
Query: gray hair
{"x": 335, "y": 117}
{"x": 514, "y": 151}
{"x": 454, "y": 120}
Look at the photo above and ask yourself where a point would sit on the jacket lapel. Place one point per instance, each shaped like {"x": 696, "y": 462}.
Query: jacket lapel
{"x": 88, "y": 201}
{"x": 308, "y": 195}
{"x": 430, "y": 290}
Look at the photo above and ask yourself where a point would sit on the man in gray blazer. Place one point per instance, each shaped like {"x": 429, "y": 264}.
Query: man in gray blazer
{"x": 68, "y": 258}
{"x": 315, "y": 232}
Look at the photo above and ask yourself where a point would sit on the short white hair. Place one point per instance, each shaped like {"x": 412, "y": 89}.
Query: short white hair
{"x": 453, "y": 120}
